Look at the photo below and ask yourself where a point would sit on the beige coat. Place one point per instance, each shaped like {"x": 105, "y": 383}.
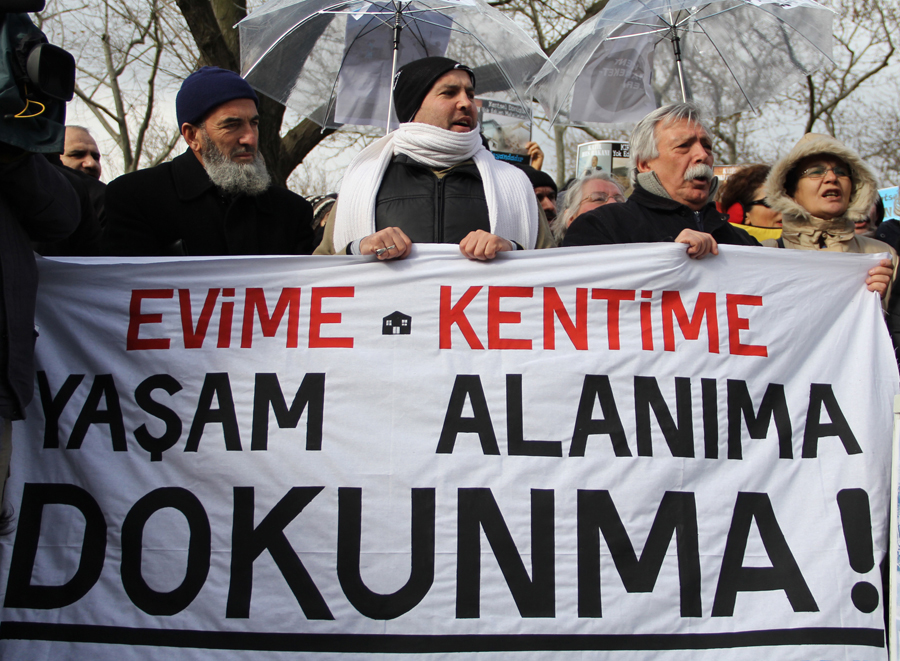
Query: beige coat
{"x": 803, "y": 231}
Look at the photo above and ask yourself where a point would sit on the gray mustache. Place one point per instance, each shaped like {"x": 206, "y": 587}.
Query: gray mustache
{"x": 699, "y": 171}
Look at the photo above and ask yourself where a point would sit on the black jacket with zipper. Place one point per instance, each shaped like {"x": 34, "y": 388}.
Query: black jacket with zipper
{"x": 429, "y": 208}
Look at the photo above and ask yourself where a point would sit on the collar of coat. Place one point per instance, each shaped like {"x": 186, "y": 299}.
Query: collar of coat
{"x": 712, "y": 218}
{"x": 191, "y": 181}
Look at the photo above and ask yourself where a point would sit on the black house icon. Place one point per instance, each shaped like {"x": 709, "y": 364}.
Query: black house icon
{"x": 396, "y": 323}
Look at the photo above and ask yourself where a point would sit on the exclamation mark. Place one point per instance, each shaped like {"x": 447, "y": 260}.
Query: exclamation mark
{"x": 857, "y": 523}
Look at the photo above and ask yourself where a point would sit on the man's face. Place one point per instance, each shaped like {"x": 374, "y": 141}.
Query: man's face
{"x": 684, "y": 164}
{"x": 226, "y": 143}
{"x": 233, "y": 128}
{"x": 825, "y": 189}
{"x": 547, "y": 199}
{"x": 81, "y": 152}
{"x": 450, "y": 103}
{"x": 869, "y": 222}
{"x": 588, "y": 197}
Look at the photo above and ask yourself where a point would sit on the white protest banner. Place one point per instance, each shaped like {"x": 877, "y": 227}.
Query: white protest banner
{"x": 611, "y": 453}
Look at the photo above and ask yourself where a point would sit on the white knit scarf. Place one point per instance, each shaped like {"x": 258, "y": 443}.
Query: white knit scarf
{"x": 512, "y": 206}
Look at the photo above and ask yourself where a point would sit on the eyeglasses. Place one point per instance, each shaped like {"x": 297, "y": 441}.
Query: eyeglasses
{"x": 602, "y": 198}
{"x": 819, "y": 171}
{"x": 760, "y": 203}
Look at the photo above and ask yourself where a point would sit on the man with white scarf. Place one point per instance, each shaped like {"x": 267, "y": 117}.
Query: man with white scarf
{"x": 432, "y": 180}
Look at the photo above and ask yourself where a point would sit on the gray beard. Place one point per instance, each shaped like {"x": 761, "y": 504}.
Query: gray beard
{"x": 234, "y": 178}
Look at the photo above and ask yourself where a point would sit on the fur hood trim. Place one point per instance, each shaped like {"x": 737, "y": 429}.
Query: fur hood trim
{"x": 865, "y": 185}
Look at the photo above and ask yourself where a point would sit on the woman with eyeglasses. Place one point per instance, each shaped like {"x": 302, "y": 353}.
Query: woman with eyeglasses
{"x": 821, "y": 188}
{"x": 593, "y": 189}
{"x": 743, "y": 197}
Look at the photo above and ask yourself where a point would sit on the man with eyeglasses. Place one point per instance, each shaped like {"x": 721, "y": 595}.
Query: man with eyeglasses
{"x": 592, "y": 190}
{"x": 674, "y": 186}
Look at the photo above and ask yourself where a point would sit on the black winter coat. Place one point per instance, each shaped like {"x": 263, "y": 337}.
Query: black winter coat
{"x": 86, "y": 240}
{"x": 175, "y": 209}
{"x": 431, "y": 209}
{"x": 36, "y": 204}
{"x": 648, "y": 218}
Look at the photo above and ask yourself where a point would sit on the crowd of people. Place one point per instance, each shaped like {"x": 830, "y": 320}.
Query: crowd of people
{"x": 433, "y": 181}
{"x": 430, "y": 181}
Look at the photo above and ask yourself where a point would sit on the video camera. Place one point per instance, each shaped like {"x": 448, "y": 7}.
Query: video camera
{"x": 36, "y": 81}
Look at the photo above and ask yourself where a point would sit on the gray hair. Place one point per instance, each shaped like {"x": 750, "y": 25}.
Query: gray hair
{"x": 643, "y": 139}
{"x": 572, "y": 200}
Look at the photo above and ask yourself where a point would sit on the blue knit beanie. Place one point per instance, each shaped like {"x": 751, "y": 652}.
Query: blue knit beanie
{"x": 206, "y": 89}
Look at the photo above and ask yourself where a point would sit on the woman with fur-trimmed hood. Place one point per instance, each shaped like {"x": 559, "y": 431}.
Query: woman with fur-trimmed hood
{"x": 821, "y": 187}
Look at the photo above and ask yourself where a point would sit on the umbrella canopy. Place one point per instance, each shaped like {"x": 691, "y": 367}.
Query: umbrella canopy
{"x": 333, "y": 61}
{"x": 726, "y": 56}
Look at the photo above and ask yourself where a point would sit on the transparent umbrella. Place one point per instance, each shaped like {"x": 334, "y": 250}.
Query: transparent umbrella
{"x": 726, "y": 56}
{"x": 334, "y": 61}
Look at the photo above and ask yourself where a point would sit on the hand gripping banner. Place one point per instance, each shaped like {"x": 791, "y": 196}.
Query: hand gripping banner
{"x": 612, "y": 453}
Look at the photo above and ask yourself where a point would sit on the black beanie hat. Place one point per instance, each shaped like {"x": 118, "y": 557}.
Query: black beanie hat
{"x": 536, "y": 177}
{"x": 414, "y": 80}
{"x": 206, "y": 89}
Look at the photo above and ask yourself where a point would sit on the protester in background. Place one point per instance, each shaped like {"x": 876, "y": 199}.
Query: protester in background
{"x": 873, "y": 221}
{"x": 592, "y": 190}
{"x": 535, "y": 155}
{"x": 671, "y": 169}
{"x": 81, "y": 152}
{"x": 821, "y": 188}
{"x": 544, "y": 189}
{"x": 432, "y": 180}
{"x": 217, "y": 198}
{"x": 82, "y": 155}
{"x": 744, "y": 191}
{"x": 887, "y": 230}
{"x": 321, "y": 206}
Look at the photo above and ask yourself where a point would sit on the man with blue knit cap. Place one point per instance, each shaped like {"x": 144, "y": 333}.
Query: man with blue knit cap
{"x": 216, "y": 198}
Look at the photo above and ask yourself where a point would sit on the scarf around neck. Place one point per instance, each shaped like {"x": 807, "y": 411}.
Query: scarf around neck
{"x": 512, "y": 205}
{"x": 813, "y": 233}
